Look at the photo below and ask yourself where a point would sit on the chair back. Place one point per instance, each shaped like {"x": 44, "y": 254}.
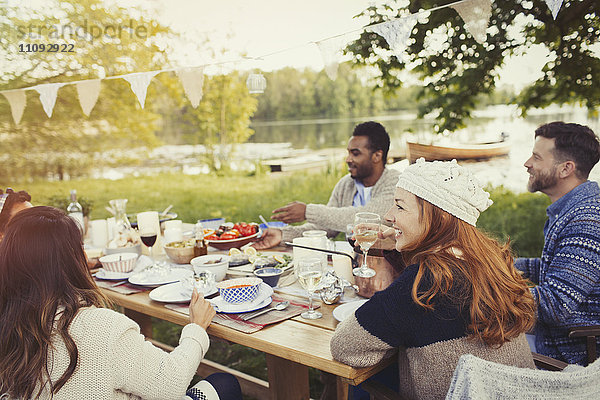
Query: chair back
{"x": 475, "y": 378}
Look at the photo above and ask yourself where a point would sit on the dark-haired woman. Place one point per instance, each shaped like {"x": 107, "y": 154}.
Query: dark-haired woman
{"x": 460, "y": 293}
{"x": 11, "y": 202}
{"x": 57, "y": 340}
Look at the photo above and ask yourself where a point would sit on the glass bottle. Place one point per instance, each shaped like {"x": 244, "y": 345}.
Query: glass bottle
{"x": 75, "y": 211}
{"x": 124, "y": 234}
{"x": 200, "y": 248}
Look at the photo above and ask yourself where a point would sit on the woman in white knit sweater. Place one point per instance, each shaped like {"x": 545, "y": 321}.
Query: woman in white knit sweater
{"x": 57, "y": 340}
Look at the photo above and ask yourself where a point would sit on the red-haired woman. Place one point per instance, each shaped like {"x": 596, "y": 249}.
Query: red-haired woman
{"x": 57, "y": 340}
{"x": 460, "y": 293}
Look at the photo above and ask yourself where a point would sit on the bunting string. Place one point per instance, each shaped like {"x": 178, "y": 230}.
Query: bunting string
{"x": 474, "y": 13}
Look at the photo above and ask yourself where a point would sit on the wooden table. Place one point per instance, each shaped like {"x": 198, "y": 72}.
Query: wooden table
{"x": 291, "y": 346}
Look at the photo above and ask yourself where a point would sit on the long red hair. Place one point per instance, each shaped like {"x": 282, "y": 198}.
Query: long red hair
{"x": 455, "y": 253}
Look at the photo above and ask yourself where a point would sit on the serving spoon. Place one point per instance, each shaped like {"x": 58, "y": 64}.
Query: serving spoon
{"x": 282, "y": 305}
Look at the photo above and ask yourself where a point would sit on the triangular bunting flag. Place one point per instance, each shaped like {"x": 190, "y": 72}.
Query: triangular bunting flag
{"x": 554, "y": 6}
{"x": 331, "y": 51}
{"x": 48, "y": 93}
{"x": 16, "y": 99}
{"x": 88, "y": 92}
{"x": 192, "y": 80}
{"x": 139, "y": 84}
{"x": 476, "y": 16}
{"x": 396, "y": 33}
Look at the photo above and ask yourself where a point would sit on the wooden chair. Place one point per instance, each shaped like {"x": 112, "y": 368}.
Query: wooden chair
{"x": 381, "y": 392}
{"x": 378, "y": 391}
{"x": 590, "y": 333}
{"x": 478, "y": 378}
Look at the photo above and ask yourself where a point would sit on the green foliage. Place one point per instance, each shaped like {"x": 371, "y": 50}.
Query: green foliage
{"x": 63, "y": 202}
{"x": 294, "y": 94}
{"x": 520, "y": 217}
{"x": 461, "y": 69}
{"x": 221, "y": 120}
{"x": 68, "y": 143}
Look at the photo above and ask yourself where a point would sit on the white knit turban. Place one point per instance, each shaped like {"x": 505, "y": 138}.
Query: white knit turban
{"x": 447, "y": 185}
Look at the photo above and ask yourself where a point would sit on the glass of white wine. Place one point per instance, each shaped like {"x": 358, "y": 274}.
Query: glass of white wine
{"x": 310, "y": 272}
{"x": 366, "y": 227}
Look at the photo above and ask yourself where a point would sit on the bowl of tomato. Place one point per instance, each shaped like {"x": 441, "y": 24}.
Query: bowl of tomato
{"x": 231, "y": 235}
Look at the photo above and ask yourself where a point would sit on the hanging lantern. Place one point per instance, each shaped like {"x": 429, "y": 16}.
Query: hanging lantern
{"x": 256, "y": 83}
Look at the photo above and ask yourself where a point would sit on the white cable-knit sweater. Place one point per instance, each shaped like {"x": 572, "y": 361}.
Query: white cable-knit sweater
{"x": 116, "y": 362}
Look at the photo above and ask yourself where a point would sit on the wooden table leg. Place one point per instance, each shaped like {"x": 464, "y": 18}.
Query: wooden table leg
{"x": 287, "y": 380}
{"x": 342, "y": 389}
{"x": 143, "y": 320}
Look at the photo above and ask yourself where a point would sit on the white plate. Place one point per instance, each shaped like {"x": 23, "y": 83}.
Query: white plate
{"x": 262, "y": 300}
{"x": 112, "y": 275}
{"x": 174, "y": 293}
{"x": 248, "y": 269}
{"x": 150, "y": 279}
{"x": 343, "y": 311}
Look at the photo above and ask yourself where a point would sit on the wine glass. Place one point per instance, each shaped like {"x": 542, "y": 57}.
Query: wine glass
{"x": 310, "y": 272}
{"x": 366, "y": 227}
{"x": 350, "y": 234}
{"x": 149, "y": 238}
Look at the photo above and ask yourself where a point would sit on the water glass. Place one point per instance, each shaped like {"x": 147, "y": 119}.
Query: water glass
{"x": 310, "y": 272}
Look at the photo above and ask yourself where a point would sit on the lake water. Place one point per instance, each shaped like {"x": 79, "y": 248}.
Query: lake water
{"x": 486, "y": 124}
{"x": 277, "y": 139}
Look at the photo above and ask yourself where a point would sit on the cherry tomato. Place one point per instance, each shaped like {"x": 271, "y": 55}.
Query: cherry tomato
{"x": 212, "y": 236}
{"x": 248, "y": 230}
{"x": 228, "y": 236}
{"x": 239, "y": 226}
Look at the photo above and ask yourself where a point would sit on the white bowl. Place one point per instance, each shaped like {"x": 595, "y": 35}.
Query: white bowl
{"x": 119, "y": 262}
{"x": 208, "y": 263}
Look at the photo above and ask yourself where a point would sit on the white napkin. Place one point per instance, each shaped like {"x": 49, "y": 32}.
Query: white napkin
{"x": 142, "y": 263}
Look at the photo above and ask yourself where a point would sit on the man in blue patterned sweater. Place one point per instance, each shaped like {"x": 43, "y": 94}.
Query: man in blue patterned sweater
{"x": 568, "y": 273}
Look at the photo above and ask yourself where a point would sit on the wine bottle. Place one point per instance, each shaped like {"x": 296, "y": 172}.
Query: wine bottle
{"x": 75, "y": 210}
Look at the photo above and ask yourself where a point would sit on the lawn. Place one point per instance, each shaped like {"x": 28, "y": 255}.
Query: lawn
{"x": 236, "y": 197}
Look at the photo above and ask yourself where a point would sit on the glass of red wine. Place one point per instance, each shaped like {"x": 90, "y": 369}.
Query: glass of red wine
{"x": 148, "y": 238}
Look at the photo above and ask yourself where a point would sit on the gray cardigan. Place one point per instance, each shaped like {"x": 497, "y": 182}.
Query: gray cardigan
{"x": 339, "y": 211}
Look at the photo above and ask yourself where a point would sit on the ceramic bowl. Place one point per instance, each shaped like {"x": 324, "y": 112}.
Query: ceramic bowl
{"x": 180, "y": 255}
{"x": 215, "y": 263}
{"x": 239, "y": 290}
{"x": 119, "y": 262}
{"x": 269, "y": 275}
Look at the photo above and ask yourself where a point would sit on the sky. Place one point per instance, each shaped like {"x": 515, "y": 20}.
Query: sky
{"x": 260, "y": 27}
{"x": 256, "y": 28}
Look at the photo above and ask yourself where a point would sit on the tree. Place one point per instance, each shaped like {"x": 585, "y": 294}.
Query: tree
{"x": 107, "y": 40}
{"x": 221, "y": 120}
{"x": 460, "y": 69}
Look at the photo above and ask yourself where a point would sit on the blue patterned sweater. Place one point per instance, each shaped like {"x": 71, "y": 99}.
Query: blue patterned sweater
{"x": 568, "y": 273}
